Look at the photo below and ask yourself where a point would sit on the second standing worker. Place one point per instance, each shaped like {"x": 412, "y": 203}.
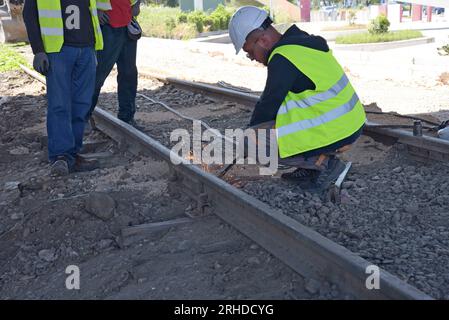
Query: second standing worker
{"x": 64, "y": 35}
{"x": 119, "y": 48}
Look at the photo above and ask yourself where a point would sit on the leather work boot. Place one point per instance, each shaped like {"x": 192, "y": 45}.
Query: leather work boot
{"x": 60, "y": 167}
{"x": 82, "y": 165}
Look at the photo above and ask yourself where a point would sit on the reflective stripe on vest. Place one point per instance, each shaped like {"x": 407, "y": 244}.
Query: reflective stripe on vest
{"x": 316, "y": 118}
{"x": 52, "y": 31}
{"x": 319, "y": 97}
{"x": 52, "y": 25}
{"x": 50, "y": 13}
{"x": 326, "y": 117}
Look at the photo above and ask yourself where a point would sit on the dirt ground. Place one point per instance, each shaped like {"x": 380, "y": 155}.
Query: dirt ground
{"x": 45, "y": 226}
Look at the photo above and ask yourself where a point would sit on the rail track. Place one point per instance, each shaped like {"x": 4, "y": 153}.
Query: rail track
{"x": 304, "y": 250}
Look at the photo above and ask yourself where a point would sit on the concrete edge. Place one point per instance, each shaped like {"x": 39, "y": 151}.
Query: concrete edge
{"x": 383, "y": 45}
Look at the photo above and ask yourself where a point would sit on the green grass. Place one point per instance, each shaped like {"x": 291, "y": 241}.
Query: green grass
{"x": 382, "y": 37}
{"x": 9, "y": 58}
{"x": 156, "y": 21}
{"x": 166, "y": 22}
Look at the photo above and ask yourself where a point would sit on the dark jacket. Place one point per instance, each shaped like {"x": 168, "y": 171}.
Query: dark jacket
{"x": 76, "y": 37}
{"x": 283, "y": 77}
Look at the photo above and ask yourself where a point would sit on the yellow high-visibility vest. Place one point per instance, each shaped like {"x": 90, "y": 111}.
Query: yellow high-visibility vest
{"x": 52, "y": 25}
{"x": 317, "y": 118}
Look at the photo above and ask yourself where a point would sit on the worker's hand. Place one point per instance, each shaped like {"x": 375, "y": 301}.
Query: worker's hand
{"x": 41, "y": 63}
{"x": 135, "y": 9}
{"x": 103, "y": 17}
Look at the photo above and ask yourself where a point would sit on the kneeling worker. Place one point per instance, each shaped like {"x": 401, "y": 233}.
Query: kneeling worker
{"x": 64, "y": 35}
{"x": 307, "y": 97}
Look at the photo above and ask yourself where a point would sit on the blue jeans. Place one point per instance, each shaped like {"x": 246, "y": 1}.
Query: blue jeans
{"x": 70, "y": 85}
{"x": 118, "y": 48}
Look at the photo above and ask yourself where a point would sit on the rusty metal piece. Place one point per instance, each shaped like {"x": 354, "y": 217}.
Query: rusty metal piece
{"x": 417, "y": 128}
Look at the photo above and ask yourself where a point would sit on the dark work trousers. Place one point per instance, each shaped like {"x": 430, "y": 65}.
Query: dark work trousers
{"x": 307, "y": 160}
{"x": 118, "y": 48}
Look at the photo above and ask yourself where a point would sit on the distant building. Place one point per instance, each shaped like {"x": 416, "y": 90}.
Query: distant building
{"x": 421, "y": 10}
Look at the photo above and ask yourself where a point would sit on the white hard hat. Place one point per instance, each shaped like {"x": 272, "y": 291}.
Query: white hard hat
{"x": 245, "y": 20}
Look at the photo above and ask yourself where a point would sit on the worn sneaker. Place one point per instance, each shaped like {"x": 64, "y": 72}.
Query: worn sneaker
{"x": 60, "y": 167}
{"x": 83, "y": 165}
{"x": 302, "y": 175}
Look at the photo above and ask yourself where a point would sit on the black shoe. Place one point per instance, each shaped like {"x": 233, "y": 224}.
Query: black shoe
{"x": 334, "y": 168}
{"x": 135, "y": 125}
{"x": 302, "y": 175}
{"x": 60, "y": 167}
{"x": 83, "y": 165}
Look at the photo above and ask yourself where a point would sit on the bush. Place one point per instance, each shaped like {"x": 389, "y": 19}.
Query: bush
{"x": 170, "y": 23}
{"x": 182, "y": 17}
{"x": 379, "y": 25}
{"x": 444, "y": 50}
{"x": 197, "y": 18}
{"x": 216, "y": 20}
{"x": 219, "y": 18}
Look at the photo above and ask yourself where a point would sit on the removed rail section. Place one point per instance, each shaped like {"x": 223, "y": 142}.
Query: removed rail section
{"x": 423, "y": 148}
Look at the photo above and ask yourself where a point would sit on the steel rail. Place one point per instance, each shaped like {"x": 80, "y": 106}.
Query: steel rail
{"x": 304, "y": 250}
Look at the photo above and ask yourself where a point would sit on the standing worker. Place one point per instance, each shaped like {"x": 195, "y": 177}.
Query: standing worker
{"x": 308, "y": 99}
{"x": 64, "y": 35}
{"x": 120, "y": 33}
